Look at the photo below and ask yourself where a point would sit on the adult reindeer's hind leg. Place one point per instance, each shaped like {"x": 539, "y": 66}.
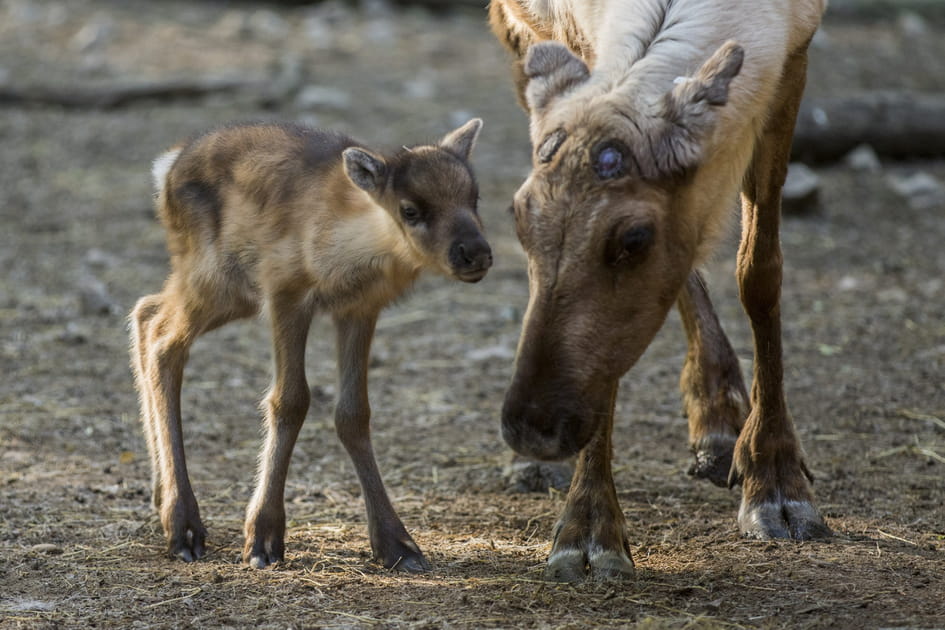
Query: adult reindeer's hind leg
{"x": 714, "y": 393}
{"x": 777, "y": 501}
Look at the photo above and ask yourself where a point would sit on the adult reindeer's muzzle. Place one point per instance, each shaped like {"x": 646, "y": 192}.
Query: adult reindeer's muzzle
{"x": 550, "y": 425}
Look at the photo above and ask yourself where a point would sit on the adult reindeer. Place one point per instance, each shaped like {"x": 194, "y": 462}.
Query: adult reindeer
{"x": 647, "y": 118}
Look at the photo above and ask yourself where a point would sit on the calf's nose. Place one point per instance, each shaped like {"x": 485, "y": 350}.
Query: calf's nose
{"x": 470, "y": 257}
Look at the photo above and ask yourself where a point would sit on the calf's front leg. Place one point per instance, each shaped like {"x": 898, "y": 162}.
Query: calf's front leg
{"x": 777, "y": 501}
{"x": 285, "y": 409}
{"x": 590, "y": 536}
{"x": 392, "y": 545}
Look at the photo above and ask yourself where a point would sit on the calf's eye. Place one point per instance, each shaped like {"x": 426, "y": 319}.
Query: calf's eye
{"x": 410, "y": 213}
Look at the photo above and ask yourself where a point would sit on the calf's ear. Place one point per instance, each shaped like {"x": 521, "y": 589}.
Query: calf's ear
{"x": 552, "y": 69}
{"x": 461, "y": 141}
{"x": 366, "y": 170}
{"x": 690, "y": 109}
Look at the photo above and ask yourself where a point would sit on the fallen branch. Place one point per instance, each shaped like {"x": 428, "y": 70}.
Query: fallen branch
{"x": 895, "y": 124}
{"x": 265, "y": 90}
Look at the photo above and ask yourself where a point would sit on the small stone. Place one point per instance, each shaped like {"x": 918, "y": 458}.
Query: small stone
{"x": 491, "y": 353}
{"x": 48, "y": 549}
{"x": 73, "y": 335}
{"x": 801, "y": 192}
{"x": 94, "y": 35}
{"x": 863, "y": 158}
{"x": 267, "y": 24}
{"x": 912, "y": 24}
{"x": 94, "y": 298}
{"x": 921, "y": 190}
{"x": 320, "y": 96}
{"x": 420, "y": 88}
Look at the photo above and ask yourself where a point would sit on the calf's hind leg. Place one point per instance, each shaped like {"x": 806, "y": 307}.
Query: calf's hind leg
{"x": 714, "y": 394}
{"x": 777, "y": 501}
{"x": 390, "y": 542}
{"x": 163, "y": 328}
{"x": 285, "y": 408}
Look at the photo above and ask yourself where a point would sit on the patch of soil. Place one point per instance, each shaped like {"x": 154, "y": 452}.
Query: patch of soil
{"x": 864, "y": 301}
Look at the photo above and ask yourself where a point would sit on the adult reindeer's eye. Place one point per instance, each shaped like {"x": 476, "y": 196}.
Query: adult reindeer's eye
{"x": 608, "y": 159}
{"x": 629, "y": 246}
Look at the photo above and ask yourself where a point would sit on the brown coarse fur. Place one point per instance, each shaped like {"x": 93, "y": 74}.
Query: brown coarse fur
{"x": 647, "y": 117}
{"x": 293, "y": 221}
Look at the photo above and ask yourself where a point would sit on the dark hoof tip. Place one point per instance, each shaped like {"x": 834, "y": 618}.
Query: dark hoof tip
{"x": 413, "y": 564}
{"x": 713, "y": 460}
{"x": 526, "y": 477}
{"x": 794, "y": 520}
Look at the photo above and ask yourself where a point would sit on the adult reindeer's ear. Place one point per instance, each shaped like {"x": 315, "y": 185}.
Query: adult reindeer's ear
{"x": 461, "y": 141}
{"x": 551, "y": 69}
{"x": 689, "y": 109}
{"x": 366, "y": 170}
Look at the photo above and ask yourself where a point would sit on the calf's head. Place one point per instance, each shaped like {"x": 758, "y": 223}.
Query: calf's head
{"x": 604, "y": 224}
{"x": 431, "y": 194}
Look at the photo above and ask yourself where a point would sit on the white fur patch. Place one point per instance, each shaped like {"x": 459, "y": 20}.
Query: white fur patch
{"x": 161, "y": 167}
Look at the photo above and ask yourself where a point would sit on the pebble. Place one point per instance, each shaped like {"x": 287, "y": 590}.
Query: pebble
{"x": 321, "y": 96}
{"x": 94, "y": 35}
{"x": 46, "y": 548}
{"x": 912, "y": 24}
{"x": 801, "y": 192}
{"x": 864, "y": 159}
{"x": 490, "y": 353}
{"x": 94, "y": 298}
{"x": 921, "y": 190}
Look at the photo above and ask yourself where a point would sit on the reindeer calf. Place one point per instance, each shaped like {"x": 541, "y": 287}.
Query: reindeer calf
{"x": 292, "y": 221}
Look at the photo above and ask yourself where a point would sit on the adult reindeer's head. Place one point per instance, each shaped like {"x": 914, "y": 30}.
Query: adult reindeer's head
{"x": 605, "y": 223}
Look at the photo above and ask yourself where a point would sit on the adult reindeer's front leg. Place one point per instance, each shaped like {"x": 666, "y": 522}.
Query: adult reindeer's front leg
{"x": 711, "y": 382}
{"x": 285, "y": 408}
{"x": 390, "y": 542}
{"x": 591, "y": 533}
{"x": 776, "y": 497}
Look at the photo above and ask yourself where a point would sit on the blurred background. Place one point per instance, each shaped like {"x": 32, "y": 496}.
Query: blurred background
{"x": 92, "y": 90}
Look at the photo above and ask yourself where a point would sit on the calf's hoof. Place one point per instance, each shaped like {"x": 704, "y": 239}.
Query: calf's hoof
{"x": 186, "y": 535}
{"x": 188, "y": 545}
{"x": 713, "y": 459}
{"x": 597, "y": 564}
{"x": 260, "y": 554}
{"x": 797, "y": 520}
{"x": 265, "y": 538}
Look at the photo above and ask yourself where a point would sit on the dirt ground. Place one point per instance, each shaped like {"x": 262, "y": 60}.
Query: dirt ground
{"x": 864, "y": 311}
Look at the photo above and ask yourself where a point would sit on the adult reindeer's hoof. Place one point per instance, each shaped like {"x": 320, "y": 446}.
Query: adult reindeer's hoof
{"x": 402, "y": 555}
{"x": 776, "y": 498}
{"x": 713, "y": 459}
{"x": 600, "y": 565}
{"x": 589, "y": 549}
{"x": 798, "y": 520}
